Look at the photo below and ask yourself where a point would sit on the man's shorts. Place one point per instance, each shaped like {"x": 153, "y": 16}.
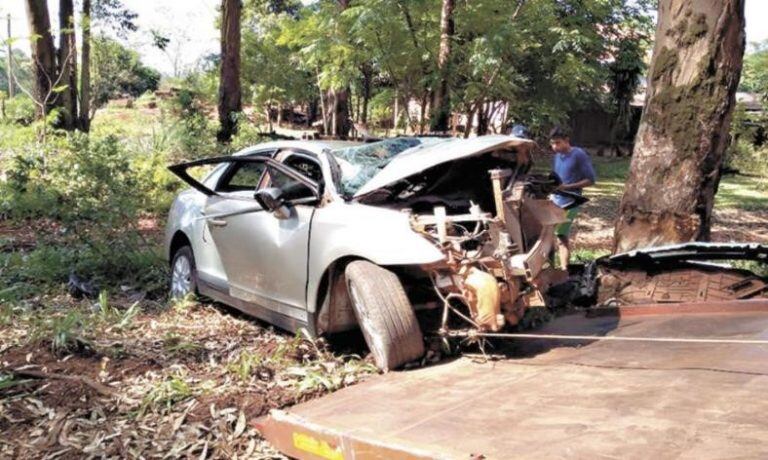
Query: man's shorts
{"x": 564, "y": 229}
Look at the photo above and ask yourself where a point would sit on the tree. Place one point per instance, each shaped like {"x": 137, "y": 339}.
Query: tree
{"x": 85, "y": 68}
{"x": 43, "y": 57}
{"x": 341, "y": 123}
{"x": 8, "y": 59}
{"x": 117, "y": 71}
{"x": 109, "y": 14}
{"x": 272, "y": 75}
{"x": 67, "y": 66}
{"x": 441, "y": 107}
{"x": 683, "y": 133}
{"x": 19, "y": 70}
{"x": 230, "y": 94}
{"x": 755, "y": 76}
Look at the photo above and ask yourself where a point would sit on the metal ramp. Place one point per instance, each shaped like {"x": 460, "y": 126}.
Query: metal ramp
{"x": 555, "y": 399}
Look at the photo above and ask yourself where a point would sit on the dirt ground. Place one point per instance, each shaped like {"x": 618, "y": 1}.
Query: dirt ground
{"x": 185, "y": 379}
{"x": 142, "y": 377}
{"x": 179, "y": 382}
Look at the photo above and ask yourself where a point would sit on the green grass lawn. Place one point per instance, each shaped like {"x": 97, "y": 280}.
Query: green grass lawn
{"x": 748, "y": 193}
{"x": 741, "y": 207}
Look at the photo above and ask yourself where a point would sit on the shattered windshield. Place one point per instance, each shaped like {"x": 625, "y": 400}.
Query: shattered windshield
{"x": 360, "y": 163}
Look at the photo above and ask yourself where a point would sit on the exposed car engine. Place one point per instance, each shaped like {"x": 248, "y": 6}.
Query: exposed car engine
{"x": 495, "y": 224}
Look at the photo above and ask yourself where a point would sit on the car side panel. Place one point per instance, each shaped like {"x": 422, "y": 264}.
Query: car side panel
{"x": 186, "y": 216}
{"x": 383, "y": 236}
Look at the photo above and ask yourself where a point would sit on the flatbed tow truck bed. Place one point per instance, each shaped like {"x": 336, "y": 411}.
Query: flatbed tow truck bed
{"x": 554, "y": 399}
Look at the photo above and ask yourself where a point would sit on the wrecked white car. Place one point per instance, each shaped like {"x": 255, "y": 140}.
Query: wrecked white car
{"x": 331, "y": 237}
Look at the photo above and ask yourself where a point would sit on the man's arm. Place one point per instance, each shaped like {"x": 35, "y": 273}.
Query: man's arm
{"x": 577, "y": 185}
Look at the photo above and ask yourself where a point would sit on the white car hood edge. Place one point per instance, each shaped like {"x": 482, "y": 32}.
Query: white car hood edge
{"x": 415, "y": 160}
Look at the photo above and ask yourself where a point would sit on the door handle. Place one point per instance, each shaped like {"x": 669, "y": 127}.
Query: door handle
{"x": 218, "y": 222}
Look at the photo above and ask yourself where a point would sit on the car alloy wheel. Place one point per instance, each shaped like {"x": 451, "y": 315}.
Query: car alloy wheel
{"x": 181, "y": 276}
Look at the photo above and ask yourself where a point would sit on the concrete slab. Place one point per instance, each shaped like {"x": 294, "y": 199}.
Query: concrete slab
{"x": 561, "y": 400}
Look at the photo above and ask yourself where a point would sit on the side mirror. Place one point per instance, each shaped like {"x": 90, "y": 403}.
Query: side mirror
{"x": 271, "y": 199}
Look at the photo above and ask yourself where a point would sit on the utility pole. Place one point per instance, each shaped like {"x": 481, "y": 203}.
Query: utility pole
{"x": 9, "y": 61}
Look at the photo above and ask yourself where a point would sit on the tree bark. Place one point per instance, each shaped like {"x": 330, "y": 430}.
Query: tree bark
{"x": 9, "y": 62}
{"x": 68, "y": 64}
{"x": 395, "y": 114}
{"x": 683, "y": 133}
{"x": 85, "y": 68}
{"x": 43, "y": 56}
{"x": 367, "y": 72}
{"x": 230, "y": 94}
{"x": 340, "y": 120}
{"x": 441, "y": 108}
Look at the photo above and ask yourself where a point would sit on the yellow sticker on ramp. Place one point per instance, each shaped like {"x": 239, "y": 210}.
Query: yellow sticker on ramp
{"x": 317, "y": 447}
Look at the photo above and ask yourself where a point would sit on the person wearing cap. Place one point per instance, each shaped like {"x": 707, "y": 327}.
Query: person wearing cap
{"x": 574, "y": 168}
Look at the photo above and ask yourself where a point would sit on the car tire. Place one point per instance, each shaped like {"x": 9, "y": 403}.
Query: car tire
{"x": 385, "y": 315}
{"x": 183, "y": 273}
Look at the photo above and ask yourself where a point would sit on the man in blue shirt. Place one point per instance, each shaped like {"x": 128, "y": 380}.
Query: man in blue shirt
{"x": 574, "y": 168}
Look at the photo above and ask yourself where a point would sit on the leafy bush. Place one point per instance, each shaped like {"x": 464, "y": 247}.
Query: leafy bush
{"x": 93, "y": 192}
{"x": 117, "y": 71}
{"x": 20, "y": 109}
{"x": 748, "y": 151}
{"x": 191, "y": 130}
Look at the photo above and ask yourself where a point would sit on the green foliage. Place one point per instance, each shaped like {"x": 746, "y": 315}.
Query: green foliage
{"x": 271, "y": 73}
{"x": 66, "y": 333}
{"x": 21, "y": 67}
{"x": 117, "y": 71}
{"x": 166, "y": 394}
{"x": 754, "y": 76}
{"x": 8, "y": 381}
{"x": 191, "y": 130}
{"x": 748, "y": 150}
{"x": 19, "y": 109}
{"x": 544, "y": 57}
{"x": 757, "y": 267}
{"x": 114, "y": 316}
{"x": 92, "y": 191}
{"x": 176, "y": 345}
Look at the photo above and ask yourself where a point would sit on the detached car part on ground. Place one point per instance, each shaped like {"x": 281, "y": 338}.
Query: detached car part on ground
{"x": 330, "y": 236}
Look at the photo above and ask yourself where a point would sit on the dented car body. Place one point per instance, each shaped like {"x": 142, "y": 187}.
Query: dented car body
{"x": 274, "y": 230}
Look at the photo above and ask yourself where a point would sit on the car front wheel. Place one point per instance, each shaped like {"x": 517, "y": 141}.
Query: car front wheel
{"x": 385, "y": 315}
{"x": 183, "y": 276}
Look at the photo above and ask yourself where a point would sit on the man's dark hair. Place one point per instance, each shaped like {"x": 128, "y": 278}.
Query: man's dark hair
{"x": 558, "y": 132}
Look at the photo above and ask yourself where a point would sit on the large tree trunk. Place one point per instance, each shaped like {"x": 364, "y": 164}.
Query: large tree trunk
{"x": 683, "y": 133}
{"x": 43, "y": 55}
{"x": 441, "y": 107}
{"x": 367, "y": 71}
{"x": 229, "y": 79}
{"x": 85, "y": 69}
{"x": 68, "y": 64}
{"x": 341, "y": 123}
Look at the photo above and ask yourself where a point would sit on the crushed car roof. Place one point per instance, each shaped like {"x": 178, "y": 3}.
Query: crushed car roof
{"x": 314, "y": 146}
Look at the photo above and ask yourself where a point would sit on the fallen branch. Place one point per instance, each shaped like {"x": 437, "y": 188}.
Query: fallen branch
{"x": 98, "y": 387}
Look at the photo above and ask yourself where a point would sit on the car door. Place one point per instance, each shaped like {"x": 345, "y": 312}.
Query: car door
{"x": 264, "y": 254}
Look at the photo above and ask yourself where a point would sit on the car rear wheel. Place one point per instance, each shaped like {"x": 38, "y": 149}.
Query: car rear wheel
{"x": 385, "y": 315}
{"x": 183, "y": 275}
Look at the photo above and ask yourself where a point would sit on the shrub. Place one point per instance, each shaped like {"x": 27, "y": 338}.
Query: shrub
{"x": 20, "y": 109}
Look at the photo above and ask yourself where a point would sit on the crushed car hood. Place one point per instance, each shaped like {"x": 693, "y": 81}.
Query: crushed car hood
{"x": 422, "y": 157}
